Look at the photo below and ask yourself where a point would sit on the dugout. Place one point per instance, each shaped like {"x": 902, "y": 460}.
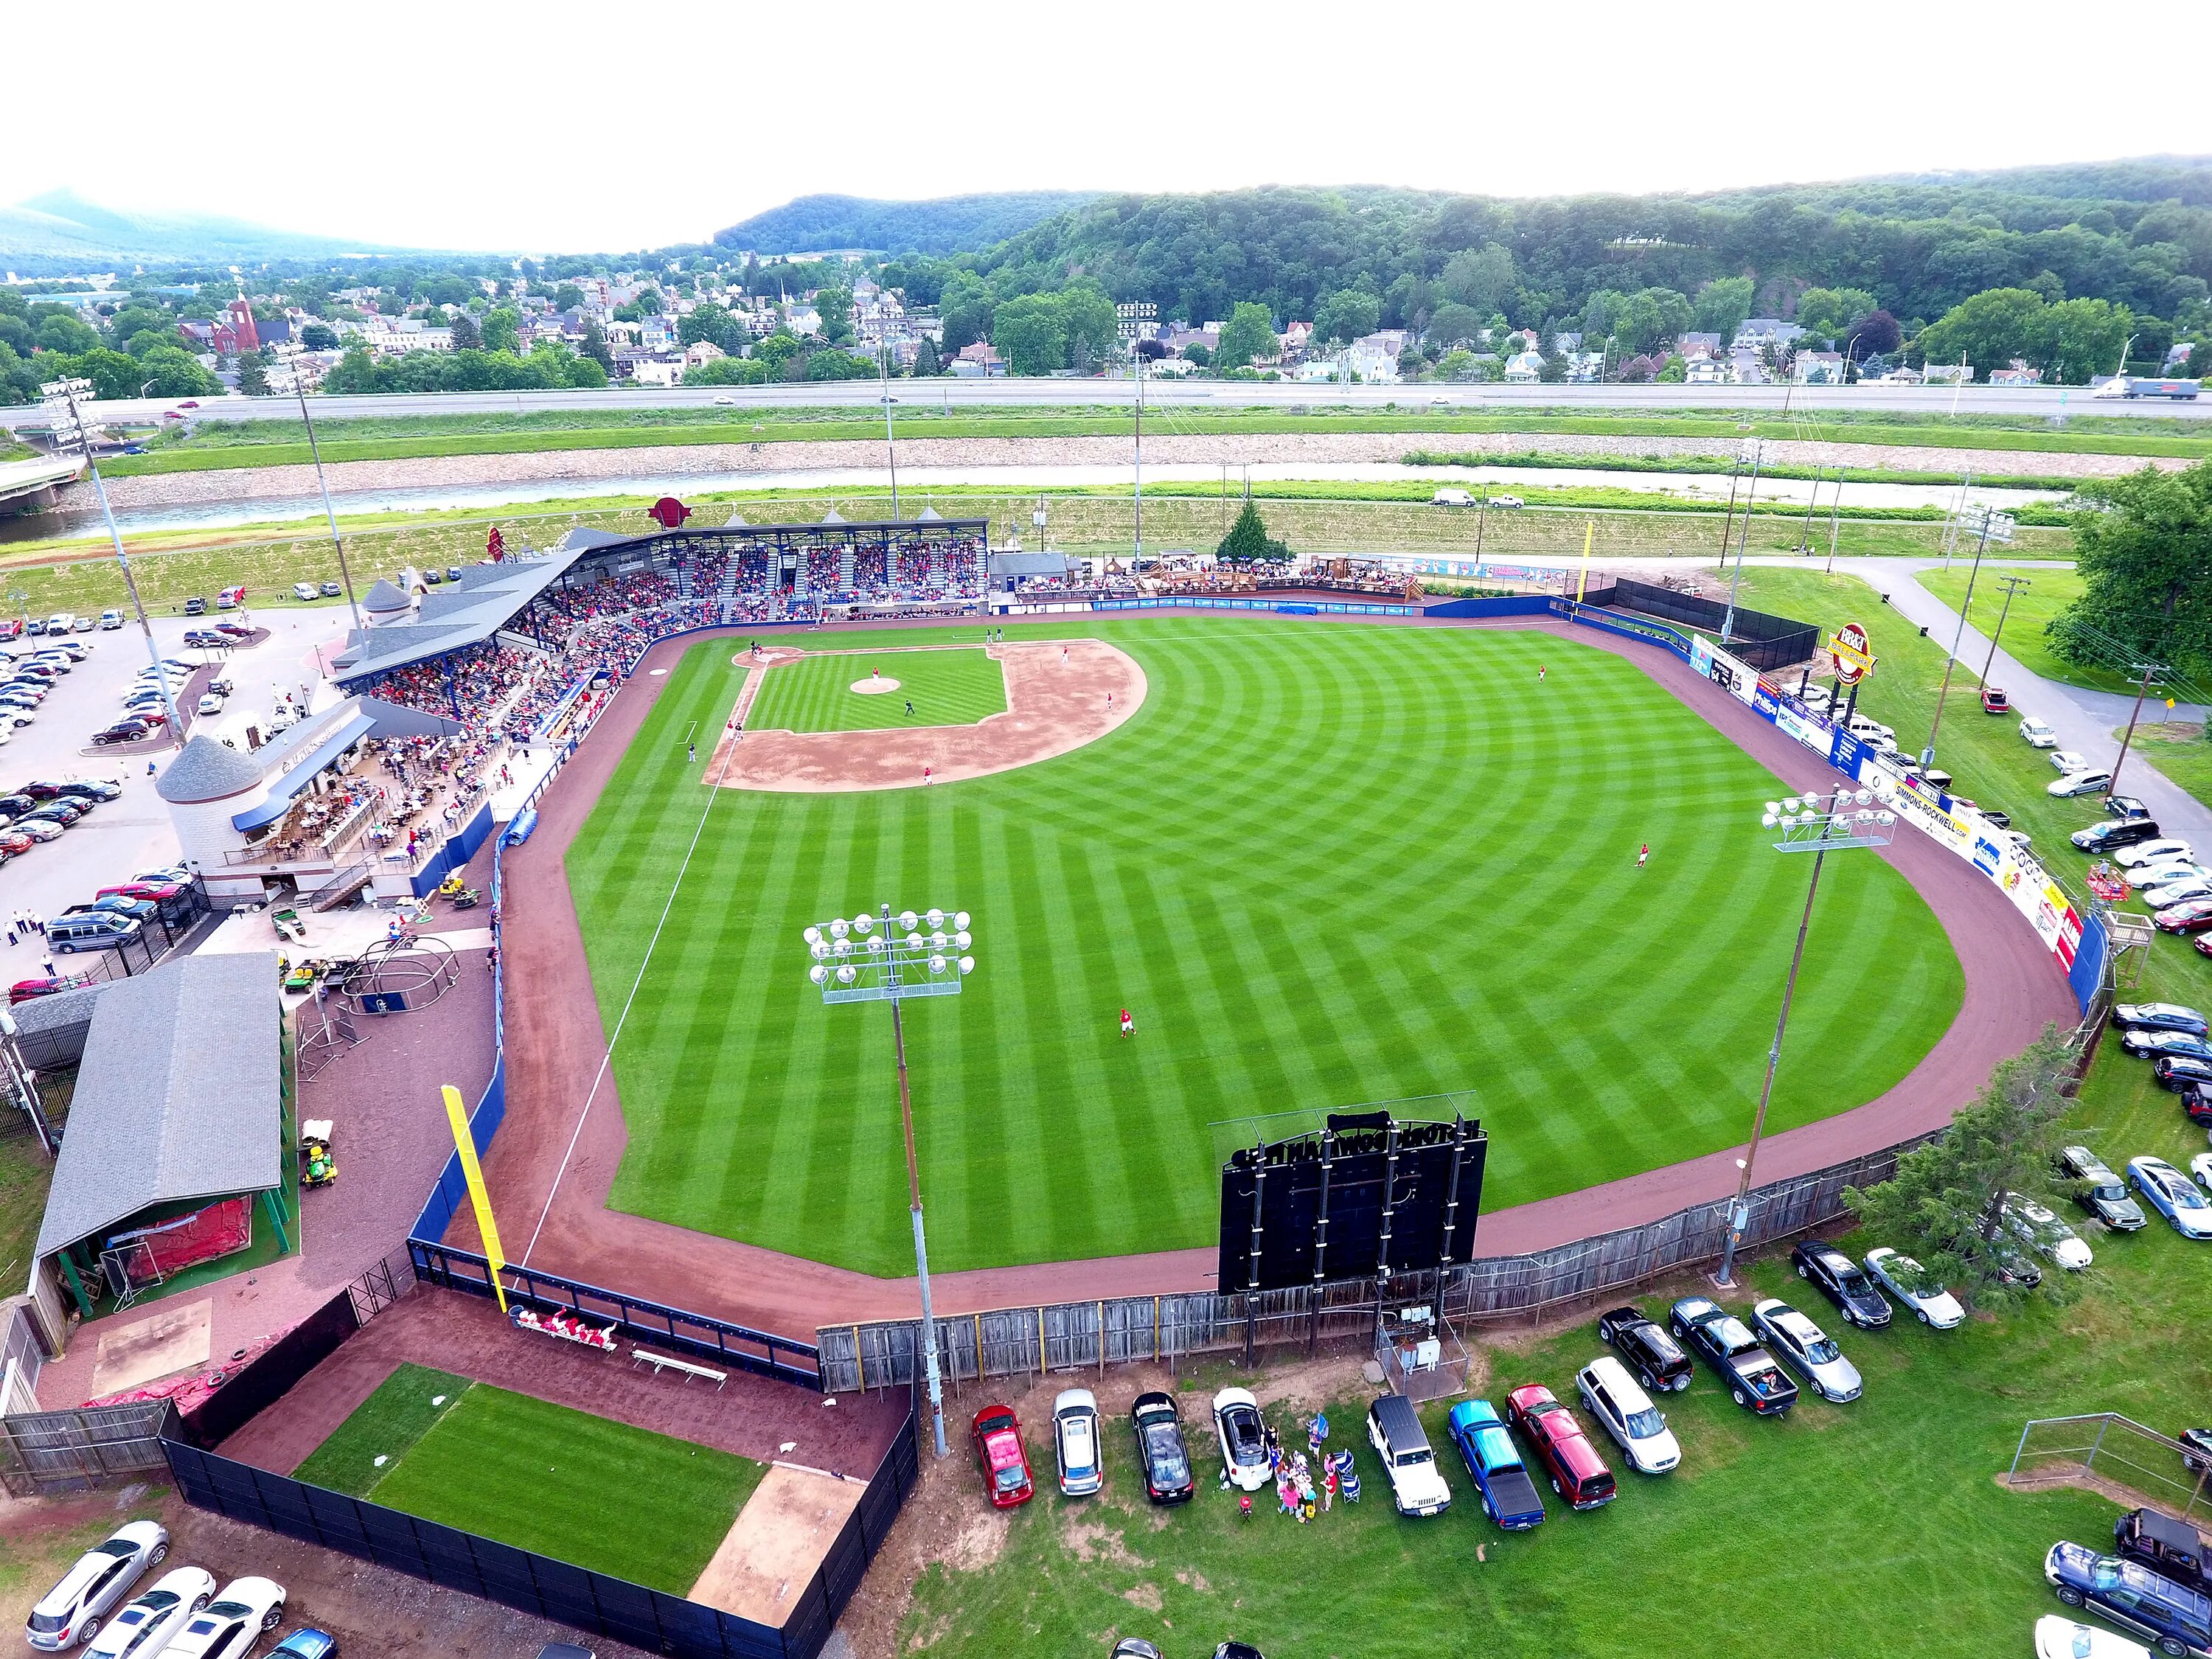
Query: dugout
{"x": 175, "y": 1159}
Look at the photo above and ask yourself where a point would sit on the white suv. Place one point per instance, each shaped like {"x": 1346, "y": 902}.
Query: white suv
{"x": 2039, "y": 735}
{"x": 1417, "y": 1485}
{"x": 1625, "y": 1411}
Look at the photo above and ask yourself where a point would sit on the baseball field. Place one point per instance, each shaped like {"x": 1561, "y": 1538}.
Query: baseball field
{"x": 1321, "y": 865}
{"x": 579, "y": 1488}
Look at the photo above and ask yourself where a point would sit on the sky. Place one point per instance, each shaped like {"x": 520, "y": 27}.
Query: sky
{"x": 572, "y": 128}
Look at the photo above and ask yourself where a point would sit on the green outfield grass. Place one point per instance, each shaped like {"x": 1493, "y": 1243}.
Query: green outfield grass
{"x": 581, "y": 1489}
{"x": 955, "y": 687}
{"x": 1873, "y": 1530}
{"x": 1324, "y": 865}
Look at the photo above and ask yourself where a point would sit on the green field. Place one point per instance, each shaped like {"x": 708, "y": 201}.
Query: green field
{"x": 1324, "y": 865}
{"x": 1874, "y": 1530}
{"x": 581, "y": 1489}
{"x": 2051, "y": 590}
{"x": 955, "y": 687}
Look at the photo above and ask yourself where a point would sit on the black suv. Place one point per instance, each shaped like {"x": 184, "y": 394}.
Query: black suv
{"x": 1843, "y": 1282}
{"x": 2115, "y": 833}
{"x": 1655, "y": 1358}
{"x": 2169, "y": 1547}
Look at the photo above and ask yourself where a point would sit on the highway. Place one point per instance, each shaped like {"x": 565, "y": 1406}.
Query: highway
{"x": 945, "y": 393}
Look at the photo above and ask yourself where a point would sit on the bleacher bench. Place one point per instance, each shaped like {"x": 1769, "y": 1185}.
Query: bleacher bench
{"x": 661, "y": 1362}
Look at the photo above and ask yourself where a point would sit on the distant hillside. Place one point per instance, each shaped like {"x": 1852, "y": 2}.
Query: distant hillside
{"x": 950, "y": 224}
{"x": 60, "y": 232}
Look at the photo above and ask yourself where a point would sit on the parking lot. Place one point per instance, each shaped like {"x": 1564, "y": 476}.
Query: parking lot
{"x": 132, "y": 833}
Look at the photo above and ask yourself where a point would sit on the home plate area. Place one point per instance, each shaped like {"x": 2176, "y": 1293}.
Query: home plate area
{"x": 772, "y": 1549}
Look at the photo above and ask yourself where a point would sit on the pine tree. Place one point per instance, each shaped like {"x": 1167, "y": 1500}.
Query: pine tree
{"x": 1248, "y": 538}
{"x": 252, "y": 375}
{"x": 925, "y": 359}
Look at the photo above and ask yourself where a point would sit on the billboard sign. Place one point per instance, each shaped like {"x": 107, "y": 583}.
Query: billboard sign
{"x": 1853, "y": 653}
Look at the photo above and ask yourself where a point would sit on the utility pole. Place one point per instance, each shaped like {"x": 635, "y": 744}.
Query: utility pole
{"x": 289, "y": 354}
{"x": 1728, "y": 622}
{"x": 1990, "y": 517}
{"x": 1728, "y": 524}
{"x": 1835, "y": 515}
{"x": 2011, "y": 584}
{"x": 2172, "y": 592}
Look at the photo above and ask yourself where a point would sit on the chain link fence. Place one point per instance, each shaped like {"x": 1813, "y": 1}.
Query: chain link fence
{"x": 2117, "y": 1456}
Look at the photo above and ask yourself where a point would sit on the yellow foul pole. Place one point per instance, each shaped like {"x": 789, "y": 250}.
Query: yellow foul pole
{"x": 1589, "y": 529}
{"x": 465, "y": 1144}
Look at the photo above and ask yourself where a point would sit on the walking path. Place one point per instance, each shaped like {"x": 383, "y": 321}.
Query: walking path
{"x": 2084, "y": 721}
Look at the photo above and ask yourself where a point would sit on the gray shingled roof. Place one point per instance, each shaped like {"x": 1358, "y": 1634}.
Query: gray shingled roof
{"x": 205, "y": 770}
{"x": 180, "y": 1096}
{"x": 490, "y": 596}
{"x": 384, "y": 597}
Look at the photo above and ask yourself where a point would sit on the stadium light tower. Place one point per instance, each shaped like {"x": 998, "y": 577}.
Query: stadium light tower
{"x": 289, "y": 353}
{"x": 1850, "y": 819}
{"x": 887, "y": 958}
{"x": 67, "y": 424}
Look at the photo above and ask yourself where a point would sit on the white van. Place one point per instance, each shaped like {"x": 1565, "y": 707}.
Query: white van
{"x": 1452, "y": 498}
{"x": 61, "y": 622}
{"x": 110, "y": 621}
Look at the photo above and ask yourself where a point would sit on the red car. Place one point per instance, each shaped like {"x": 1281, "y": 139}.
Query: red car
{"x": 24, "y": 990}
{"x": 1578, "y": 1473}
{"x": 11, "y": 628}
{"x": 1005, "y": 1464}
{"x": 2194, "y": 917}
{"x": 1994, "y": 702}
{"x": 155, "y": 891}
{"x": 14, "y": 843}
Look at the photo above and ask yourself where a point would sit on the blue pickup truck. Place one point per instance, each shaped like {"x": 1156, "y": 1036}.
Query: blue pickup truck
{"x": 1509, "y": 1496}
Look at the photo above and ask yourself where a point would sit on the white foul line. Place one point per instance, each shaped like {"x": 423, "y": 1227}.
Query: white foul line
{"x": 714, "y": 789}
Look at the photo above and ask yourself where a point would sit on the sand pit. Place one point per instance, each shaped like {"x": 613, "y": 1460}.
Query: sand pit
{"x": 769, "y": 1555}
{"x": 1060, "y": 694}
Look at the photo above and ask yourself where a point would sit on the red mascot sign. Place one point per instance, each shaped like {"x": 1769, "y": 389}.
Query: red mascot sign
{"x": 668, "y": 513}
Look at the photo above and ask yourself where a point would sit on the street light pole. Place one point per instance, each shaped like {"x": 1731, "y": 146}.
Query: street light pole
{"x": 62, "y": 396}
{"x": 1743, "y": 543}
{"x": 1991, "y": 518}
{"x": 1813, "y": 831}
{"x": 288, "y": 355}
{"x": 853, "y": 964}
{"x": 2142, "y": 688}
{"x": 891, "y": 433}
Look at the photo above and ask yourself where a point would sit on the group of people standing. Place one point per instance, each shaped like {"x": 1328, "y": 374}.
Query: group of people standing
{"x": 1307, "y": 1483}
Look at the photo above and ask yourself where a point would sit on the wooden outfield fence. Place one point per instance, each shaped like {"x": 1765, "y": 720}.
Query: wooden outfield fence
{"x": 1090, "y": 1335}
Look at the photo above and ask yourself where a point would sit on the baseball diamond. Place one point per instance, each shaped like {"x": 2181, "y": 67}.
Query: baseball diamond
{"x": 1322, "y": 865}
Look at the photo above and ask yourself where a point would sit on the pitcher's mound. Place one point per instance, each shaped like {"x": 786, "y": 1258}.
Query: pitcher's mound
{"x": 1060, "y": 694}
{"x": 769, "y": 1555}
{"x": 874, "y": 687}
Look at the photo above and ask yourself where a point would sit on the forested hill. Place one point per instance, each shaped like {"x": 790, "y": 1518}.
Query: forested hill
{"x": 950, "y": 224}
{"x": 2137, "y": 234}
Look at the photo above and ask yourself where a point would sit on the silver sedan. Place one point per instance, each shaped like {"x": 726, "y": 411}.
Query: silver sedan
{"x": 1807, "y": 1350}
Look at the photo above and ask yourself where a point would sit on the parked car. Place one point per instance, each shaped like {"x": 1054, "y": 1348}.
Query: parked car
{"x": 2103, "y": 1195}
{"x": 330, "y": 590}
{"x": 998, "y": 1438}
{"x": 2168, "y": 874}
{"x": 2058, "y": 1636}
{"x": 2147, "y": 1044}
{"x": 312, "y": 1643}
{"x": 211, "y": 702}
{"x": 158, "y": 891}
{"x": 1753, "y": 1380}
{"x": 1129, "y": 1647}
{"x": 2068, "y": 760}
{"x": 2159, "y": 1017}
{"x": 1915, "y": 1288}
{"x": 2200, "y": 1167}
{"x": 1994, "y": 701}
{"x": 1508, "y": 1496}
{"x": 2180, "y": 1072}
{"x": 2111, "y": 834}
{"x": 141, "y": 1630}
{"x": 303, "y": 591}
{"x": 39, "y": 828}
{"x": 72, "y": 1611}
{"x": 1626, "y": 1413}
{"x": 2172, "y": 1193}
{"x": 14, "y": 843}
{"x": 1417, "y": 1485}
{"x": 2151, "y": 851}
{"x": 138, "y": 909}
{"x": 122, "y": 731}
{"x": 2078, "y": 783}
{"x": 1657, "y": 1360}
{"x": 1806, "y": 1350}
{"x": 1075, "y": 1443}
{"x": 29, "y": 990}
{"x": 196, "y": 606}
{"x": 2174, "y": 1616}
{"x": 1578, "y": 1473}
{"x": 2186, "y": 890}
{"x": 2195, "y": 916}
{"x": 2126, "y": 806}
{"x": 65, "y": 935}
{"x": 227, "y": 1626}
{"x": 1243, "y": 1437}
{"x": 1841, "y": 1280}
{"x": 91, "y": 788}
{"x": 1160, "y": 1450}
{"x": 2172, "y": 1549}
{"x": 2195, "y": 1098}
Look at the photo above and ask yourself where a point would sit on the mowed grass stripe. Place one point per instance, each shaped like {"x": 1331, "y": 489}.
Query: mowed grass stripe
{"x": 952, "y": 687}
{"x": 1322, "y": 864}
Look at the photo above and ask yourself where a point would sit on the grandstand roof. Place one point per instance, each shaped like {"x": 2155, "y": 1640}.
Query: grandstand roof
{"x": 480, "y": 602}
{"x": 179, "y": 1097}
